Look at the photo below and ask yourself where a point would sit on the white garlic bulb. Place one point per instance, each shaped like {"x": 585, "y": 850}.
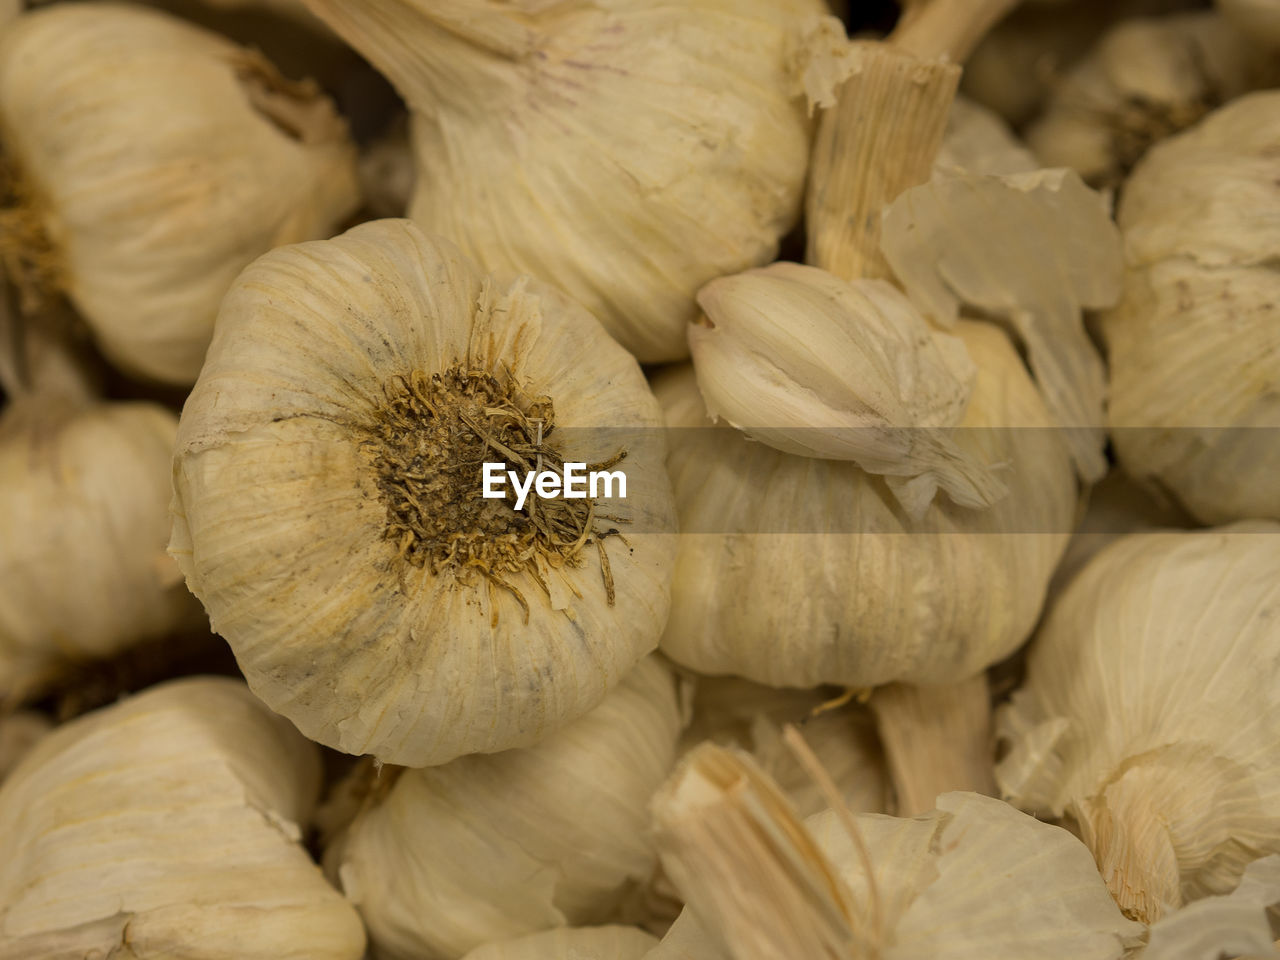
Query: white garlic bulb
{"x": 329, "y": 507}
{"x": 492, "y": 847}
{"x": 1146, "y": 79}
{"x": 794, "y": 571}
{"x": 84, "y": 492}
{"x": 972, "y": 879}
{"x": 626, "y": 151}
{"x": 153, "y": 160}
{"x": 168, "y": 826}
{"x": 1149, "y": 709}
{"x": 568, "y": 943}
{"x": 1194, "y": 347}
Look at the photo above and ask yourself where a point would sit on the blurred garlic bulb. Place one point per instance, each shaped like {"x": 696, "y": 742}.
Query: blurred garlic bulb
{"x": 442, "y": 860}
{"x": 979, "y": 141}
{"x": 328, "y": 498}
{"x": 168, "y": 826}
{"x": 1145, "y": 80}
{"x": 866, "y": 595}
{"x": 387, "y": 172}
{"x": 19, "y": 732}
{"x": 1258, "y": 19}
{"x": 735, "y": 712}
{"x": 148, "y": 162}
{"x": 973, "y": 878}
{"x": 1047, "y": 250}
{"x": 1149, "y": 711}
{"x": 84, "y": 487}
{"x": 1194, "y": 346}
{"x": 558, "y": 139}
{"x": 566, "y": 943}
{"x": 817, "y": 367}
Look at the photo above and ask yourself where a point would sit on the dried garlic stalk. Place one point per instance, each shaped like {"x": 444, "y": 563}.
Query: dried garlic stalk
{"x": 973, "y": 879}
{"x": 485, "y": 848}
{"x": 328, "y": 507}
{"x": 560, "y": 138}
{"x": 101, "y": 824}
{"x": 1194, "y": 347}
{"x": 146, "y": 161}
{"x": 1145, "y": 80}
{"x": 1149, "y": 710}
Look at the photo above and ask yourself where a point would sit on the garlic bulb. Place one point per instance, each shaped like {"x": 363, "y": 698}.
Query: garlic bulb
{"x": 1258, "y": 19}
{"x": 973, "y": 878}
{"x": 83, "y": 488}
{"x": 1148, "y": 711}
{"x": 150, "y": 161}
{"x": 19, "y": 732}
{"x": 626, "y": 151}
{"x": 1145, "y": 80}
{"x": 101, "y": 824}
{"x": 566, "y": 943}
{"x": 814, "y": 366}
{"x": 1194, "y": 348}
{"x": 866, "y": 595}
{"x": 329, "y": 511}
{"x": 979, "y": 141}
{"x": 387, "y": 172}
{"x": 491, "y": 847}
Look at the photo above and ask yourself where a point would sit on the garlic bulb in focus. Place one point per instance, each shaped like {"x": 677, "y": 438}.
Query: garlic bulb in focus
{"x": 596, "y": 943}
{"x": 1145, "y": 80}
{"x": 492, "y": 847}
{"x": 973, "y": 878}
{"x": 1194, "y": 347}
{"x": 1149, "y": 712}
{"x": 149, "y": 162}
{"x": 84, "y": 494}
{"x": 626, "y": 151}
{"x": 328, "y": 498}
{"x": 101, "y": 824}
{"x": 793, "y": 571}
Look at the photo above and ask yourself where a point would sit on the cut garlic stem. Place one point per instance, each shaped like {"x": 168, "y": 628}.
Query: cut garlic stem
{"x": 948, "y": 29}
{"x": 937, "y": 738}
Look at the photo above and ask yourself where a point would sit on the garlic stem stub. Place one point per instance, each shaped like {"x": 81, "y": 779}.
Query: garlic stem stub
{"x": 146, "y": 161}
{"x": 626, "y": 151}
{"x": 168, "y": 825}
{"x": 329, "y": 507}
{"x": 1149, "y": 712}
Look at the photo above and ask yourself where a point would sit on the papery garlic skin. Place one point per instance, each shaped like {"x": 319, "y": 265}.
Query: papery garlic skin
{"x": 168, "y": 826}
{"x": 1194, "y": 346}
{"x": 1149, "y": 709}
{"x": 285, "y": 528}
{"x": 83, "y": 525}
{"x": 605, "y": 943}
{"x": 817, "y": 367}
{"x": 491, "y": 847}
{"x": 626, "y": 151}
{"x": 925, "y": 601}
{"x": 162, "y": 159}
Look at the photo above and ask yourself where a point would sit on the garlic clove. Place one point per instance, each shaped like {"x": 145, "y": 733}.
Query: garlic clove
{"x": 1047, "y": 250}
{"x": 101, "y": 824}
{"x": 627, "y": 152}
{"x": 491, "y": 847}
{"x": 817, "y": 367}
{"x": 154, "y": 160}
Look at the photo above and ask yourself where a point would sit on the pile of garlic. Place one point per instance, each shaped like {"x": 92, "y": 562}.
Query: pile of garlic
{"x": 890, "y": 624}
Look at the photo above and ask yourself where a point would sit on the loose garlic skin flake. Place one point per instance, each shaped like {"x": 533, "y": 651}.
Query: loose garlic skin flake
{"x": 168, "y": 826}
{"x": 1194, "y": 346}
{"x": 491, "y": 847}
{"x": 889, "y": 598}
{"x": 308, "y": 517}
{"x": 159, "y": 159}
{"x": 1150, "y": 710}
{"x": 627, "y": 151}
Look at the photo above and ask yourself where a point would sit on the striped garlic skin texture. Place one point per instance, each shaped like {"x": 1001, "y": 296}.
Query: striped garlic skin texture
{"x": 168, "y": 826}
{"x": 929, "y": 601}
{"x": 491, "y": 847}
{"x": 572, "y": 943}
{"x": 159, "y": 172}
{"x": 1150, "y": 711}
{"x": 281, "y": 529}
{"x": 84, "y": 520}
{"x": 626, "y": 151}
{"x": 1194, "y": 346}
